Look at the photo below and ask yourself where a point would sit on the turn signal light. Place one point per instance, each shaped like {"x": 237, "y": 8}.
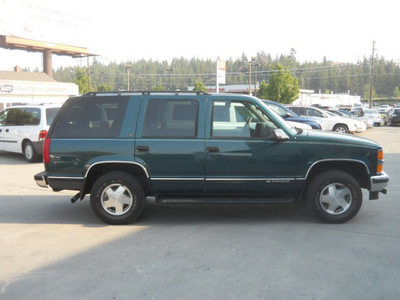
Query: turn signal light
{"x": 380, "y": 154}
{"x": 379, "y": 167}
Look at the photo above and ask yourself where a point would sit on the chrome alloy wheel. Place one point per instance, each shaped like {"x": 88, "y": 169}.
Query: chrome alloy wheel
{"x": 117, "y": 199}
{"x": 335, "y": 198}
{"x": 28, "y": 151}
{"x": 341, "y": 129}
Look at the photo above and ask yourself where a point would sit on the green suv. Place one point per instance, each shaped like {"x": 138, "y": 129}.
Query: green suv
{"x": 185, "y": 147}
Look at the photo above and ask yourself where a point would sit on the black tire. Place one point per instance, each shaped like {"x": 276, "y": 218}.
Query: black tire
{"x": 117, "y": 198}
{"x": 30, "y": 152}
{"x": 341, "y": 128}
{"x": 334, "y": 196}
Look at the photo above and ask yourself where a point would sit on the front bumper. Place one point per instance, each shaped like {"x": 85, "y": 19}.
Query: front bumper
{"x": 378, "y": 185}
{"x": 41, "y": 179}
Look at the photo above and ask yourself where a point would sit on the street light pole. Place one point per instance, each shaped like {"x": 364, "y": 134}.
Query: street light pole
{"x": 251, "y": 63}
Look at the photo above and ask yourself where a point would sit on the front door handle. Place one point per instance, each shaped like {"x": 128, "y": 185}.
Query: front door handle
{"x": 142, "y": 148}
{"x": 213, "y": 149}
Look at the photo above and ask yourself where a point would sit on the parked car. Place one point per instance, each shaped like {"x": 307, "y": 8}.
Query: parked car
{"x": 333, "y": 123}
{"x": 184, "y": 147}
{"x": 23, "y": 129}
{"x": 374, "y": 116}
{"x": 291, "y": 117}
{"x": 361, "y": 126}
{"x": 394, "y": 118}
{"x": 384, "y": 109}
{"x": 367, "y": 122}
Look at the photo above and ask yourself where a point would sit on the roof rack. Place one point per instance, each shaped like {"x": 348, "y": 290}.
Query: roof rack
{"x": 145, "y": 93}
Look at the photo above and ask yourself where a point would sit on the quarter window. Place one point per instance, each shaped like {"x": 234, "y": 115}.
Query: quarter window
{"x": 92, "y": 117}
{"x": 171, "y": 118}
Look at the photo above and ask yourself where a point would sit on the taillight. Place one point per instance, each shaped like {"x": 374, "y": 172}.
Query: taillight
{"x": 42, "y": 135}
{"x": 46, "y": 151}
{"x": 379, "y": 167}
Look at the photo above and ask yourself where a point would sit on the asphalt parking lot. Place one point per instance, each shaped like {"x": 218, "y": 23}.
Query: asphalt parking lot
{"x": 52, "y": 249}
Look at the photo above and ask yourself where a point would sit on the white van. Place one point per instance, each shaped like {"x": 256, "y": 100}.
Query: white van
{"x": 23, "y": 129}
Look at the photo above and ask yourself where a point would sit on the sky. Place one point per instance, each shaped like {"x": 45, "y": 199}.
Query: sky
{"x": 119, "y": 30}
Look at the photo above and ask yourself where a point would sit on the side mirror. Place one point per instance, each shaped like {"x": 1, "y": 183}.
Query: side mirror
{"x": 288, "y": 115}
{"x": 280, "y": 135}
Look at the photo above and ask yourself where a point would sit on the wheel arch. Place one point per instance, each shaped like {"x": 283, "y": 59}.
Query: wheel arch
{"x": 355, "y": 168}
{"x": 23, "y": 143}
{"x": 341, "y": 124}
{"x": 98, "y": 169}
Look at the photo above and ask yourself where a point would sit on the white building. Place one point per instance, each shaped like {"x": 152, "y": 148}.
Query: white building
{"x": 308, "y": 98}
{"x": 18, "y": 87}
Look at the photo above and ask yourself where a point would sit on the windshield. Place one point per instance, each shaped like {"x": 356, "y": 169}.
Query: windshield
{"x": 371, "y": 112}
{"x": 281, "y": 111}
{"x": 283, "y": 121}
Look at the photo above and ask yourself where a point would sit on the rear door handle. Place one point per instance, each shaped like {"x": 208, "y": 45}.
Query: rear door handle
{"x": 142, "y": 148}
{"x": 213, "y": 149}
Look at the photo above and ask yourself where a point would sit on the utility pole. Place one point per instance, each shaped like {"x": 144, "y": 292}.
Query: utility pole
{"x": 371, "y": 75}
{"x": 170, "y": 70}
{"x": 128, "y": 68}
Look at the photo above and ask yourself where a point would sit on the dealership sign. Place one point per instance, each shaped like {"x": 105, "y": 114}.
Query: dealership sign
{"x": 38, "y": 88}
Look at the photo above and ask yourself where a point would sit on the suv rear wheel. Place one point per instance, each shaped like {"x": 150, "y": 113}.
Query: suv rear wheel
{"x": 334, "y": 196}
{"x": 117, "y": 198}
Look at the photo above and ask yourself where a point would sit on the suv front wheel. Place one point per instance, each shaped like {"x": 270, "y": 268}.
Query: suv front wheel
{"x": 334, "y": 196}
{"x": 117, "y": 198}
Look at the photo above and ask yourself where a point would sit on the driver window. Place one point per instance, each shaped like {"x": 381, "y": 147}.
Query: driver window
{"x": 314, "y": 113}
{"x": 237, "y": 119}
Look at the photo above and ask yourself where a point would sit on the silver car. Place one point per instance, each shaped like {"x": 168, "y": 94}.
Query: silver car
{"x": 374, "y": 115}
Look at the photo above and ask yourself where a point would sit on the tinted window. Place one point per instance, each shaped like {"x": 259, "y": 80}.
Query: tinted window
{"x": 31, "y": 116}
{"x": 14, "y": 116}
{"x": 91, "y": 117}
{"x": 51, "y": 114}
{"x": 171, "y": 118}
{"x": 295, "y": 109}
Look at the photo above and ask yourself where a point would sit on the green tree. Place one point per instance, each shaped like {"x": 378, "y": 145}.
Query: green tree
{"x": 157, "y": 88}
{"x": 199, "y": 86}
{"x": 82, "y": 81}
{"x": 262, "y": 91}
{"x": 366, "y": 91}
{"x": 104, "y": 87}
{"x": 396, "y": 92}
{"x": 282, "y": 86}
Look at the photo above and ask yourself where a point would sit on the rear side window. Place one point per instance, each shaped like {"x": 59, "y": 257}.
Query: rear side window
{"x": 91, "y": 117}
{"x": 51, "y": 114}
{"x": 171, "y": 118}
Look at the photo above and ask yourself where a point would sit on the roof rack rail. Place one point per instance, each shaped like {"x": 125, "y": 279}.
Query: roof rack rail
{"x": 145, "y": 92}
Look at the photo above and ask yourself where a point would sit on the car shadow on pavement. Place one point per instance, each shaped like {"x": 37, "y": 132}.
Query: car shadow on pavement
{"x": 11, "y": 158}
{"x": 57, "y": 209}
